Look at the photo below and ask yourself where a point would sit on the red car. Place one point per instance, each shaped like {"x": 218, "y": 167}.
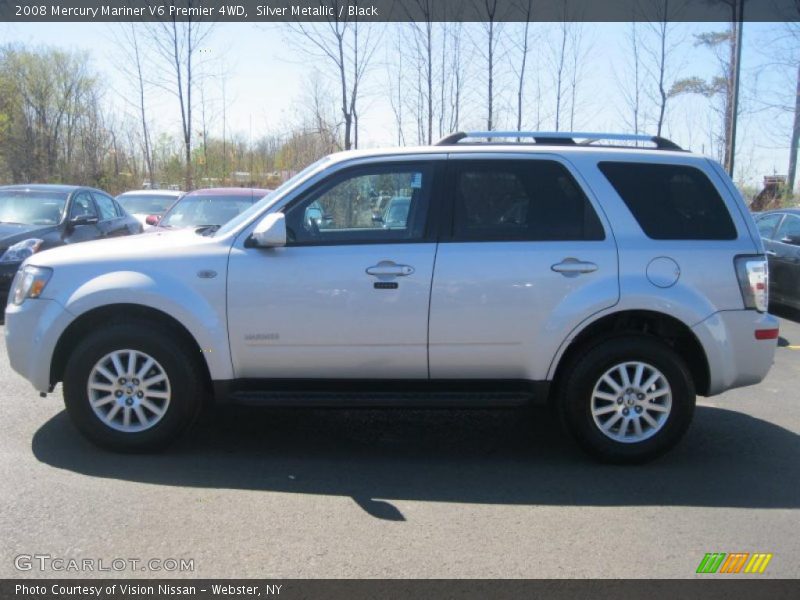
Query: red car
{"x": 211, "y": 207}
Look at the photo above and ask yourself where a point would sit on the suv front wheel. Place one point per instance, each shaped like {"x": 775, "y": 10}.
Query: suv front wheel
{"x": 129, "y": 387}
{"x": 628, "y": 399}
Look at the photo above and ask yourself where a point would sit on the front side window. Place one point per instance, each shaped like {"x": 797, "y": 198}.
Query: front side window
{"x": 671, "y": 202}
{"x": 371, "y": 204}
{"x": 527, "y": 200}
{"x": 106, "y": 205}
{"x": 789, "y": 229}
{"x": 82, "y": 206}
{"x": 766, "y": 225}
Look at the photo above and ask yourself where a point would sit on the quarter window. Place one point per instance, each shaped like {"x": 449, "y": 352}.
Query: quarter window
{"x": 533, "y": 200}
{"x": 671, "y": 202}
{"x": 374, "y": 204}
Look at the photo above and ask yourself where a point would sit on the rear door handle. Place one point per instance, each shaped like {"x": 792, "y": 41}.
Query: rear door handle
{"x": 388, "y": 268}
{"x": 572, "y": 267}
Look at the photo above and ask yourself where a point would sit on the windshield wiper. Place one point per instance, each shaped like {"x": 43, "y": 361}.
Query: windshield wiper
{"x": 206, "y": 229}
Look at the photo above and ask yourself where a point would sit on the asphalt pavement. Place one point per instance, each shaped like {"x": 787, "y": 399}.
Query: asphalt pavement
{"x": 402, "y": 493}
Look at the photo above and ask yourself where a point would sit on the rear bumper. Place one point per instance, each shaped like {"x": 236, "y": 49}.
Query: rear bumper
{"x": 32, "y": 331}
{"x": 735, "y": 357}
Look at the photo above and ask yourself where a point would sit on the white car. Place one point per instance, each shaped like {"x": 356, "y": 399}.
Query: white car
{"x": 148, "y": 203}
{"x": 616, "y": 281}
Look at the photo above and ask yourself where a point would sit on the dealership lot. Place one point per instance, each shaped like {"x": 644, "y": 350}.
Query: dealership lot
{"x": 406, "y": 493}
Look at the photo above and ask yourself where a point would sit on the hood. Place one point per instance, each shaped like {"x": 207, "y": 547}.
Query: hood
{"x": 153, "y": 246}
{"x": 11, "y": 233}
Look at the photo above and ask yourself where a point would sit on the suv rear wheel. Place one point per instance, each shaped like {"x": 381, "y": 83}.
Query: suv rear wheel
{"x": 628, "y": 399}
{"x": 132, "y": 388}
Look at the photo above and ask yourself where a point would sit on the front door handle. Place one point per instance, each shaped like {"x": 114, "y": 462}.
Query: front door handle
{"x": 388, "y": 268}
{"x": 572, "y": 267}
{"x": 770, "y": 253}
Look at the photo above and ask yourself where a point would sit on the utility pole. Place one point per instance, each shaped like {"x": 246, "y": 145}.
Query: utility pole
{"x": 738, "y": 17}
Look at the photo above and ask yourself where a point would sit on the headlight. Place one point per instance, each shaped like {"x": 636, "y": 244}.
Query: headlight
{"x": 29, "y": 282}
{"x": 21, "y": 250}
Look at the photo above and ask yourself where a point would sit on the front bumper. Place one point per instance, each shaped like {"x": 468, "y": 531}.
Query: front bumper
{"x": 735, "y": 357}
{"x": 7, "y": 272}
{"x": 32, "y": 331}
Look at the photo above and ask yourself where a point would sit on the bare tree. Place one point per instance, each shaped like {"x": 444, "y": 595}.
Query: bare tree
{"x": 493, "y": 31}
{"x": 350, "y": 48}
{"x": 527, "y": 8}
{"x": 132, "y": 66}
{"x": 630, "y": 84}
{"x": 177, "y": 44}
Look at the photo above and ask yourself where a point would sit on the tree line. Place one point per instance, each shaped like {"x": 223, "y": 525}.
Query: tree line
{"x": 58, "y": 122}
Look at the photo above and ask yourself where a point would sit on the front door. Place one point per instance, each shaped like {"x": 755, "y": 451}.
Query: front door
{"x": 347, "y": 298}
{"x": 785, "y": 263}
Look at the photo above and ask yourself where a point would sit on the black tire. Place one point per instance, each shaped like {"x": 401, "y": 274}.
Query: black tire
{"x": 185, "y": 376}
{"x": 579, "y": 380}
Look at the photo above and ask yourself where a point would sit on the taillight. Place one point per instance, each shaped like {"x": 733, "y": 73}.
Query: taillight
{"x": 753, "y": 274}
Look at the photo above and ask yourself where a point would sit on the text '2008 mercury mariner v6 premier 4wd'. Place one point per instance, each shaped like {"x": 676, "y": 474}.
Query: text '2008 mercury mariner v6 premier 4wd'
{"x": 616, "y": 275}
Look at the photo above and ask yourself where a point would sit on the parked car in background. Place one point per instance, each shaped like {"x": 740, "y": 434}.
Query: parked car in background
{"x": 211, "y": 207}
{"x": 38, "y": 217}
{"x": 148, "y": 203}
{"x": 780, "y": 230}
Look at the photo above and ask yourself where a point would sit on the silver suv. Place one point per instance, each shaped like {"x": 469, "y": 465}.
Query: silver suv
{"x": 614, "y": 275}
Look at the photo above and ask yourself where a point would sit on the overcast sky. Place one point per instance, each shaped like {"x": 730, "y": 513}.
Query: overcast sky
{"x": 266, "y": 75}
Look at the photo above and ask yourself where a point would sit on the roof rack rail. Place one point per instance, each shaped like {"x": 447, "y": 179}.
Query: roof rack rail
{"x": 570, "y": 138}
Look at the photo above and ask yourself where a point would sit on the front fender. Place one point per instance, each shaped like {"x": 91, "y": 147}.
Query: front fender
{"x": 193, "y": 307}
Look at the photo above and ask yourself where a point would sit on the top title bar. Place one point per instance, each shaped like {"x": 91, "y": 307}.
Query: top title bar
{"x": 398, "y": 10}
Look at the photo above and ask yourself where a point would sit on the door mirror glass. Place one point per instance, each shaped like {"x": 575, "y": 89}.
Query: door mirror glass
{"x": 270, "y": 232}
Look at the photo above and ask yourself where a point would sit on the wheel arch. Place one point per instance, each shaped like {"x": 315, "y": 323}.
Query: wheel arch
{"x": 102, "y": 316}
{"x": 671, "y": 330}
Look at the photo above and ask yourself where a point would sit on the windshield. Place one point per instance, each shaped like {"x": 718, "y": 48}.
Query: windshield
{"x": 256, "y": 208}
{"x": 31, "y": 207}
{"x": 146, "y": 204}
{"x": 201, "y": 209}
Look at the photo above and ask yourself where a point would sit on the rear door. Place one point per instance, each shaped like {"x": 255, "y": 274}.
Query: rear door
{"x": 525, "y": 256}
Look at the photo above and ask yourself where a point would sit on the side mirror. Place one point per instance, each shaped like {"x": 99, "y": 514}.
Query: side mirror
{"x": 83, "y": 220}
{"x": 152, "y": 219}
{"x": 270, "y": 232}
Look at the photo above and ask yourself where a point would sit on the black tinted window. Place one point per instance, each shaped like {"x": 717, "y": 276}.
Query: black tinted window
{"x": 671, "y": 202}
{"x": 532, "y": 200}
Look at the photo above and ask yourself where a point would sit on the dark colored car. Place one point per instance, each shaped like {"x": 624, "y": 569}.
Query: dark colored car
{"x": 38, "y": 217}
{"x": 212, "y": 207}
{"x": 780, "y": 230}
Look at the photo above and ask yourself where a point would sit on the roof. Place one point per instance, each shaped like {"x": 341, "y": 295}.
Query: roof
{"x": 230, "y": 191}
{"x": 175, "y": 193}
{"x": 41, "y": 187}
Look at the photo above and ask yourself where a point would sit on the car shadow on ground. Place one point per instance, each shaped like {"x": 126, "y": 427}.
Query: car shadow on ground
{"x": 727, "y": 459}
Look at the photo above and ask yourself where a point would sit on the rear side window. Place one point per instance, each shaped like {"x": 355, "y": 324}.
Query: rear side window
{"x": 525, "y": 200}
{"x": 671, "y": 202}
